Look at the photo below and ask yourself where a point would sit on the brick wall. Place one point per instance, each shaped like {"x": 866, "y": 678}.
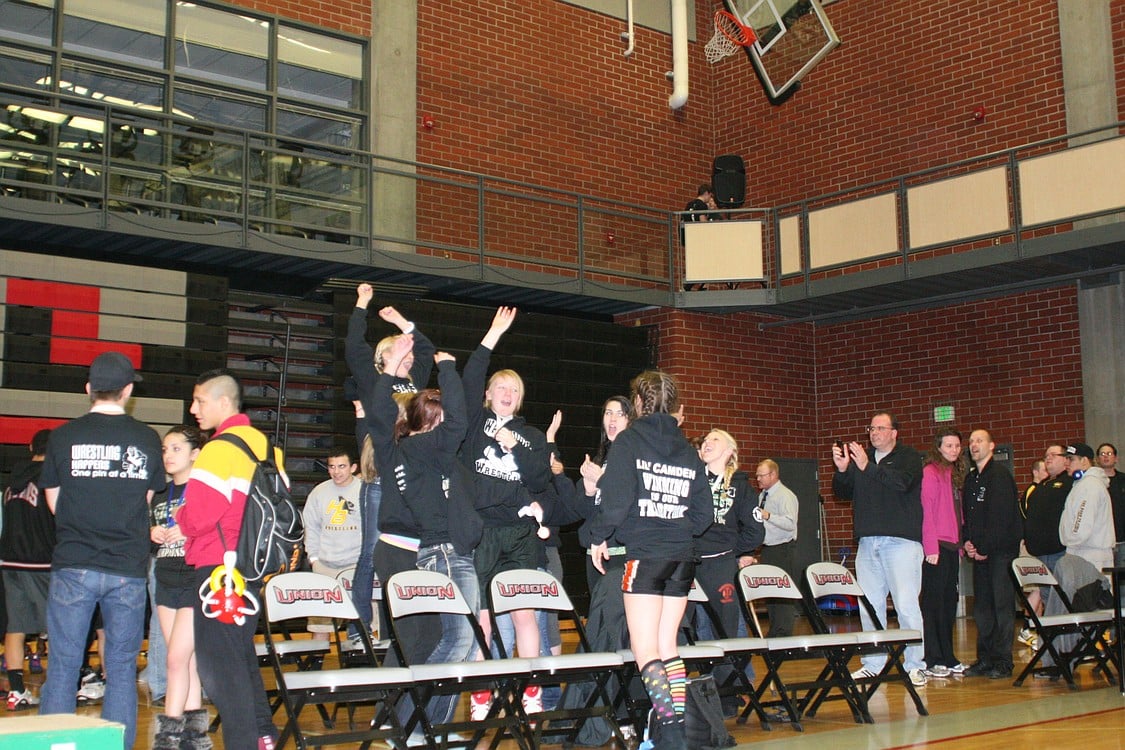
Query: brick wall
{"x": 1011, "y": 365}
{"x": 350, "y": 16}
{"x": 898, "y": 95}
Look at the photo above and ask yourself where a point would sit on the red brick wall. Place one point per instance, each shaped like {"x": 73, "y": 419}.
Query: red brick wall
{"x": 1011, "y": 365}
{"x": 350, "y": 16}
{"x": 898, "y": 95}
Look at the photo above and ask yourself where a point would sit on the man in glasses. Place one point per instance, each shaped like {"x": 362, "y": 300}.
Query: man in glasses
{"x": 1107, "y": 459}
{"x": 1041, "y": 524}
{"x": 884, "y": 484}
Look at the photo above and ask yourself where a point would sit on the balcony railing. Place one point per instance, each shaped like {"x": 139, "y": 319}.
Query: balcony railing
{"x": 67, "y": 149}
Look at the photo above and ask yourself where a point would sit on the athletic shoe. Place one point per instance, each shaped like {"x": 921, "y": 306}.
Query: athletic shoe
{"x": 533, "y": 699}
{"x": 863, "y": 673}
{"x": 20, "y": 701}
{"x": 978, "y": 669}
{"x": 1028, "y": 638}
{"x": 35, "y": 664}
{"x": 918, "y": 677}
{"x": 480, "y": 703}
{"x": 938, "y": 670}
{"x": 959, "y": 668}
{"x": 92, "y": 689}
{"x": 999, "y": 672}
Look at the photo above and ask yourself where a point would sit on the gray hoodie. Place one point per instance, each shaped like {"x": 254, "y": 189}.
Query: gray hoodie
{"x": 1086, "y": 526}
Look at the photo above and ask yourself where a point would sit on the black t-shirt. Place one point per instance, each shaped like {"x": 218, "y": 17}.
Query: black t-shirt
{"x": 171, "y": 569}
{"x": 104, "y": 466}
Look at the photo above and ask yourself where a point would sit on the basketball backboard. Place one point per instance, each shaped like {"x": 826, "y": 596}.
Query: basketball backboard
{"x": 793, "y": 36}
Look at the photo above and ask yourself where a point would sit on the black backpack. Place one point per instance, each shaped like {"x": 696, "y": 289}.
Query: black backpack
{"x": 269, "y": 541}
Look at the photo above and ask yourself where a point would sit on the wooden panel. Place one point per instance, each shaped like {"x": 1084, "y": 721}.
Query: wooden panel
{"x": 722, "y": 250}
{"x": 966, "y": 206}
{"x": 853, "y": 231}
{"x": 1078, "y": 181}
{"x": 791, "y": 245}
{"x": 91, "y": 273}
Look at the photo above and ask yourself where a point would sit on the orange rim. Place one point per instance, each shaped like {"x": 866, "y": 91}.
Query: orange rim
{"x": 733, "y": 29}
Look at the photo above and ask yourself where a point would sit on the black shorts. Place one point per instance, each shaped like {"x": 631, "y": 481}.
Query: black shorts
{"x": 505, "y": 548}
{"x": 658, "y": 577}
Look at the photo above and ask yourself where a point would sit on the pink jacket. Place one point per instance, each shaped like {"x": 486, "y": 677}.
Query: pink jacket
{"x": 940, "y": 520}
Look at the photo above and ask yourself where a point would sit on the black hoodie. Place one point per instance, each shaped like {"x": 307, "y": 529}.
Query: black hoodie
{"x": 29, "y": 526}
{"x": 654, "y": 493}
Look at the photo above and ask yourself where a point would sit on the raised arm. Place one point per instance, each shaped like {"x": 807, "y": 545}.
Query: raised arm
{"x": 475, "y": 375}
{"x": 358, "y": 354}
{"x": 424, "y": 349}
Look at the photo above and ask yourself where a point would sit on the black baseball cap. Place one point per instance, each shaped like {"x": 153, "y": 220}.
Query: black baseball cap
{"x": 111, "y": 371}
{"x": 1080, "y": 449}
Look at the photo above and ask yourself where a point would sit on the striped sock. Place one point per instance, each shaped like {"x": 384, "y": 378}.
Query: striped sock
{"x": 677, "y": 683}
{"x": 655, "y": 680}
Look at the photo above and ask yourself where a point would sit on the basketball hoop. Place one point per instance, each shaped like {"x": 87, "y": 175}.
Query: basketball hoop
{"x": 730, "y": 34}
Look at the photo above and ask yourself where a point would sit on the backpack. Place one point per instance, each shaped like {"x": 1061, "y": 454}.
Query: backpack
{"x": 269, "y": 540}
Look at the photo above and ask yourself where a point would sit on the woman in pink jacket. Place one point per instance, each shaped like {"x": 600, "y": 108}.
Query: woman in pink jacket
{"x": 942, "y": 478}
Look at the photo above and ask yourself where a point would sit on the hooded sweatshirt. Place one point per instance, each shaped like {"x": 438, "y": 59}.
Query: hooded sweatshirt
{"x": 654, "y": 493}
{"x": 29, "y": 525}
{"x": 1086, "y": 526}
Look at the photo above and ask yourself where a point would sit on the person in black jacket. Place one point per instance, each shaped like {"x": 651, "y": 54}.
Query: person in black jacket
{"x": 25, "y": 549}
{"x": 884, "y": 484}
{"x": 656, "y": 499}
{"x": 992, "y": 540}
{"x": 510, "y": 463}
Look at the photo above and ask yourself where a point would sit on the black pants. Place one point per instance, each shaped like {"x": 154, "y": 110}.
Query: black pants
{"x": 228, "y": 669}
{"x": 994, "y": 609}
{"x": 939, "y": 608}
{"x": 781, "y": 613}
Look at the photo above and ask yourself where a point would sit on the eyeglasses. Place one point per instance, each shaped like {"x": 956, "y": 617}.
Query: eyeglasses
{"x": 878, "y": 428}
{"x": 1106, "y": 453}
{"x": 614, "y": 413}
{"x": 763, "y": 476}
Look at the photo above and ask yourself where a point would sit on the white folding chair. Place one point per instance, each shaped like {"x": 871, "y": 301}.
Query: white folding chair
{"x": 764, "y": 582}
{"x": 302, "y": 595}
{"x": 826, "y": 579}
{"x": 528, "y": 589}
{"x": 1086, "y": 628}
{"x": 736, "y": 651}
{"x": 418, "y": 592}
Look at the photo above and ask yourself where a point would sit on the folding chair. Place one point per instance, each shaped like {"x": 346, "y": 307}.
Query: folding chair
{"x": 764, "y": 582}
{"x": 348, "y": 649}
{"x": 417, "y": 592}
{"x": 1089, "y": 627}
{"x": 832, "y": 579}
{"x": 302, "y": 595}
{"x": 536, "y": 589}
{"x": 736, "y": 651}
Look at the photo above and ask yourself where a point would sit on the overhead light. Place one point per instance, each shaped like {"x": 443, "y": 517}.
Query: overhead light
{"x": 87, "y": 123}
{"x": 46, "y": 115}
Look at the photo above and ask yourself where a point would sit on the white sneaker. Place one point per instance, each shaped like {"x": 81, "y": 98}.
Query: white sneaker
{"x": 533, "y": 699}
{"x": 91, "y": 691}
{"x": 18, "y": 701}
{"x": 959, "y": 668}
{"x": 1027, "y": 637}
{"x": 863, "y": 673}
{"x": 480, "y": 703}
{"x": 938, "y": 670}
{"x": 918, "y": 677}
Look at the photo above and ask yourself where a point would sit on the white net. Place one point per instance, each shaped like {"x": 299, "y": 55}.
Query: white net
{"x": 719, "y": 47}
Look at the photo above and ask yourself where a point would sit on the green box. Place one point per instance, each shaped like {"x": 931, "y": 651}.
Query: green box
{"x": 60, "y": 732}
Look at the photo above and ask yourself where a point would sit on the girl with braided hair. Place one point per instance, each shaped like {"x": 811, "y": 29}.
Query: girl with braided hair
{"x": 655, "y": 500}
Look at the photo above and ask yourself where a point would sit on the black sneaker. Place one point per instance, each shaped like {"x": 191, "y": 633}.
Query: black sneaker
{"x": 978, "y": 669}
{"x": 1000, "y": 672}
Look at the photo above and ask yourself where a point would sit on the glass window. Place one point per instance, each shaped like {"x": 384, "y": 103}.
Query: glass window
{"x": 111, "y": 87}
{"x": 131, "y": 31}
{"x": 221, "y": 46}
{"x": 317, "y": 68}
{"x": 319, "y": 127}
{"x": 27, "y": 20}
{"x": 221, "y": 108}
{"x": 25, "y": 69}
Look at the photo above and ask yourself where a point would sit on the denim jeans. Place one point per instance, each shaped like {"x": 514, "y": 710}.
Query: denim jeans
{"x": 457, "y": 642}
{"x": 74, "y": 594}
{"x": 155, "y": 672}
{"x": 370, "y": 493}
{"x": 891, "y": 564}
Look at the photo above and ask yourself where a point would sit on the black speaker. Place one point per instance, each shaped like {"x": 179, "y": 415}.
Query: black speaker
{"x": 728, "y": 177}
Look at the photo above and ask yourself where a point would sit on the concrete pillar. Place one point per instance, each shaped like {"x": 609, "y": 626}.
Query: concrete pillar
{"x": 1091, "y": 101}
{"x": 394, "y": 121}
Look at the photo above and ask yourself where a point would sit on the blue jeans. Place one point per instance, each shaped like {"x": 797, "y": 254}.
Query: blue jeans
{"x": 74, "y": 594}
{"x": 155, "y": 672}
{"x": 891, "y": 564}
{"x": 370, "y": 494}
{"x": 457, "y": 642}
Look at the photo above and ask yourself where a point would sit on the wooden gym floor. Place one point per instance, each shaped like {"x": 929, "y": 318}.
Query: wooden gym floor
{"x": 973, "y": 713}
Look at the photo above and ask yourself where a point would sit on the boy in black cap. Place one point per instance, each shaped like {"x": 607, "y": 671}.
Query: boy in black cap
{"x": 1086, "y": 527}
{"x": 99, "y": 474}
